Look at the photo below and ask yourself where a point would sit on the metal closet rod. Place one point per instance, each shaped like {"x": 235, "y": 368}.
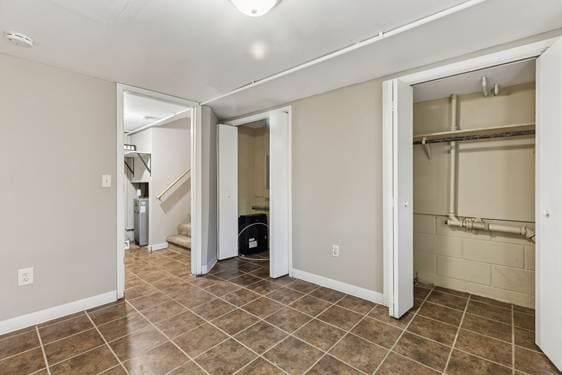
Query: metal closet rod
{"x": 476, "y": 134}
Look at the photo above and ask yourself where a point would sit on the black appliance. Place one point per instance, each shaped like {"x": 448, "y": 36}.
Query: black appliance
{"x": 253, "y": 234}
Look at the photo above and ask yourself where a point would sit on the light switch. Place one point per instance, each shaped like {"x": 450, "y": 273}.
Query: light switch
{"x": 106, "y": 180}
{"x": 25, "y": 276}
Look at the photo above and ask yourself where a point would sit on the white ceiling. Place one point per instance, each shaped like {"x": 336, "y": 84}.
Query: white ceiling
{"x": 198, "y": 49}
{"x": 140, "y": 111}
{"x": 468, "y": 83}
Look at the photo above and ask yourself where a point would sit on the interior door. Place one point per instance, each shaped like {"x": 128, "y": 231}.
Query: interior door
{"x": 279, "y": 193}
{"x": 227, "y": 186}
{"x": 402, "y": 281}
{"x": 549, "y": 204}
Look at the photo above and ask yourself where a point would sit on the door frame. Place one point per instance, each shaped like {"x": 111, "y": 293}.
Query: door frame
{"x": 390, "y": 203}
{"x": 264, "y": 116}
{"x": 195, "y": 141}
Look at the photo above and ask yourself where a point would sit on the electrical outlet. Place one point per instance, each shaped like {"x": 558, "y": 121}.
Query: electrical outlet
{"x": 335, "y": 250}
{"x": 25, "y": 276}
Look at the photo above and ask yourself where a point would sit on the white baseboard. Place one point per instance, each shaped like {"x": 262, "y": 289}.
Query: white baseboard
{"x": 37, "y": 317}
{"x": 369, "y": 295}
{"x": 159, "y": 246}
{"x": 209, "y": 266}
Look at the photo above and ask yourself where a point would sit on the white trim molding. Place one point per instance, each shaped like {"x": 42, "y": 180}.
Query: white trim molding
{"x": 197, "y": 191}
{"x": 37, "y": 317}
{"x": 159, "y": 246}
{"x": 209, "y": 266}
{"x": 482, "y": 62}
{"x": 356, "y": 291}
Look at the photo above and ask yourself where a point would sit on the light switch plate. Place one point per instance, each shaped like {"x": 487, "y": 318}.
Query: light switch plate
{"x": 335, "y": 250}
{"x": 25, "y": 276}
{"x": 106, "y": 180}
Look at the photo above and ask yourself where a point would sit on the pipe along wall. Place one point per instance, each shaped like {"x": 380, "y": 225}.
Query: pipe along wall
{"x": 472, "y": 224}
{"x": 474, "y": 201}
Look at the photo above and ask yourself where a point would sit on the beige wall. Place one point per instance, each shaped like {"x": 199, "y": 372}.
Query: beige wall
{"x": 337, "y": 185}
{"x": 58, "y": 138}
{"x": 253, "y": 148}
{"x": 495, "y": 181}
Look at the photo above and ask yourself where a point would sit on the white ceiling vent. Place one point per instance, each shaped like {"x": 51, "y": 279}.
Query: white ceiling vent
{"x": 19, "y": 39}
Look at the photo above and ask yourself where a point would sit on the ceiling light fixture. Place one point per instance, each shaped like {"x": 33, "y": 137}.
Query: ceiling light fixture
{"x": 254, "y": 8}
{"x": 19, "y": 39}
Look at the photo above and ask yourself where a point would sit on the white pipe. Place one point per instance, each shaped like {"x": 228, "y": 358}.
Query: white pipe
{"x": 485, "y": 90}
{"x": 474, "y": 224}
{"x": 163, "y": 121}
{"x": 453, "y": 162}
{"x": 471, "y": 223}
{"x": 374, "y": 39}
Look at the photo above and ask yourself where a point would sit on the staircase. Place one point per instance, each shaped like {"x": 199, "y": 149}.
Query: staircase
{"x": 183, "y": 238}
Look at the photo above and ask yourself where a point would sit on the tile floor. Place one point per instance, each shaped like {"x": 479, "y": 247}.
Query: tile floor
{"x": 237, "y": 320}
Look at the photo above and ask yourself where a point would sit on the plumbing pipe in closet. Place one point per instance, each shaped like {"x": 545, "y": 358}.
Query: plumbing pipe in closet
{"x": 472, "y": 223}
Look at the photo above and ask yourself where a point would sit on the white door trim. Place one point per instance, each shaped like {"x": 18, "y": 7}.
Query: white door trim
{"x": 289, "y": 182}
{"x": 119, "y": 180}
{"x": 497, "y": 58}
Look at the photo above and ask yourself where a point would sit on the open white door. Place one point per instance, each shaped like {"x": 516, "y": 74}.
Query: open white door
{"x": 548, "y": 205}
{"x": 279, "y": 219}
{"x": 398, "y": 218}
{"x": 227, "y": 186}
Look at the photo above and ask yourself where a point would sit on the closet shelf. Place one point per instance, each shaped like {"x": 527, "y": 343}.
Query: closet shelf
{"x": 145, "y": 158}
{"x": 476, "y": 134}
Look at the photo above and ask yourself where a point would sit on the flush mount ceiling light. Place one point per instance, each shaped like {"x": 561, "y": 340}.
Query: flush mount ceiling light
{"x": 254, "y": 8}
{"x": 19, "y": 39}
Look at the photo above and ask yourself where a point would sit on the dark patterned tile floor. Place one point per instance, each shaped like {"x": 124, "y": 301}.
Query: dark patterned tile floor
{"x": 237, "y": 320}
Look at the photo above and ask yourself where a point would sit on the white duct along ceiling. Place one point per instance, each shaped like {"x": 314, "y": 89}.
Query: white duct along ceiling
{"x": 141, "y": 43}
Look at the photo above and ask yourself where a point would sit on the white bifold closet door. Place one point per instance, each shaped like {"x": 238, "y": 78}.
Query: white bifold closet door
{"x": 400, "y": 125}
{"x": 279, "y": 193}
{"x": 227, "y": 191}
{"x": 548, "y": 214}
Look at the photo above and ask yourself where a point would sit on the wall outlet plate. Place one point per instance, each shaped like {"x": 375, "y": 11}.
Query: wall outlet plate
{"x": 335, "y": 250}
{"x": 25, "y": 276}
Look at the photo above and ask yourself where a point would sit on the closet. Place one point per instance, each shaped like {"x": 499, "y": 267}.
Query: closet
{"x": 474, "y": 183}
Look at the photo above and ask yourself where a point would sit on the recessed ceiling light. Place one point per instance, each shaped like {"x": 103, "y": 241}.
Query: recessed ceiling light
{"x": 19, "y": 39}
{"x": 255, "y": 8}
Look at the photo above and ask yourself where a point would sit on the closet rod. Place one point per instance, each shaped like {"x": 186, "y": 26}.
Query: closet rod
{"x": 476, "y": 134}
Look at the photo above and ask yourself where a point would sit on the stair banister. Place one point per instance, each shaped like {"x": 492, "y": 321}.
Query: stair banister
{"x": 172, "y": 184}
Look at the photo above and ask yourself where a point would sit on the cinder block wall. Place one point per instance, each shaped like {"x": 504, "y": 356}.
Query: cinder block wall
{"x": 495, "y": 182}
{"x": 498, "y": 267}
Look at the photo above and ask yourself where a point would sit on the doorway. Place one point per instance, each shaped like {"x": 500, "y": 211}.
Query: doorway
{"x": 398, "y": 190}
{"x": 155, "y": 151}
{"x": 254, "y": 189}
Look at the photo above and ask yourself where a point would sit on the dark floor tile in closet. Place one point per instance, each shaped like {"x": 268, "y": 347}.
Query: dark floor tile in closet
{"x": 434, "y": 330}
{"x": 533, "y": 362}
{"x": 485, "y": 347}
{"x": 441, "y": 313}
